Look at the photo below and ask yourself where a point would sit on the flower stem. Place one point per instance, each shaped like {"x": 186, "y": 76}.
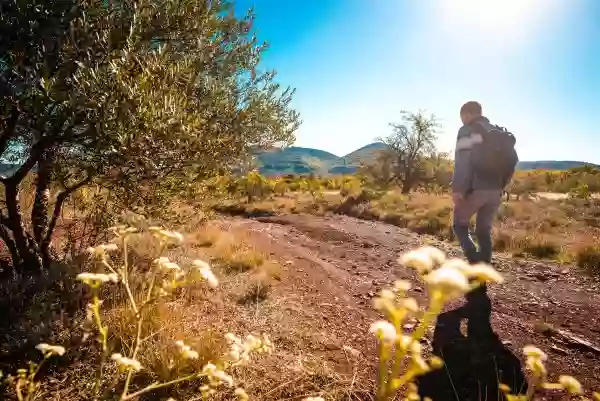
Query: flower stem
{"x": 383, "y": 371}
{"x": 136, "y": 347}
{"x": 155, "y": 386}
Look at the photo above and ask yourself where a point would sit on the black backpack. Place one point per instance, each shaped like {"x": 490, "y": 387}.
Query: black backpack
{"x": 495, "y": 158}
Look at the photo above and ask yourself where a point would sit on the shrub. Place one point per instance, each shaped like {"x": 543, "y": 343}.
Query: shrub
{"x": 581, "y": 191}
{"x": 588, "y": 258}
{"x": 257, "y": 289}
{"x": 541, "y": 248}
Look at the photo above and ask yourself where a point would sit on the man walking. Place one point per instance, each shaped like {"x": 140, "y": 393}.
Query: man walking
{"x": 484, "y": 162}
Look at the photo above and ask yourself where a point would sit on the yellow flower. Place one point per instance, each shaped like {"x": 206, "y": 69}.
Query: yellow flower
{"x": 448, "y": 280}
{"x": 570, "y": 384}
{"x": 436, "y": 362}
{"x": 387, "y": 294}
{"x": 536, "y": 365}
{"x": 166, "y": 265}
{"x": 385, "y": 331}
{"x": 407, "y": 343}
{"x": 217, "y": 376}
{"x": 410, "y": 304}
{"x": 239, "y": 351}
{"x": 437, "y": 256}
{"x": 95, "y": 279}
{"x": 383, "y": 304}
{"x": 413, "y": 396}
{"x": 241, "y": 394}
{"x": 99, "y": 252}
{"x": 458, "y": 264}
{"x": 126, "y": 363}
{"x": 420, "y": 261}
{"x": 402, "y": 286}
{"x": 186, "y": 351}
{"x": 49, "y": 350}
{"x": 534, "y": 352}
{"x": 206, "y": 272}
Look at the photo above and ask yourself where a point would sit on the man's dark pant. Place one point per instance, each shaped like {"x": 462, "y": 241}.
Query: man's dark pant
{"x": 484, "y": 204}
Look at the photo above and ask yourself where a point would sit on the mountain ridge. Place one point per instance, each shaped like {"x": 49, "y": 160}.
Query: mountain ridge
{"x": 304, "y": 160}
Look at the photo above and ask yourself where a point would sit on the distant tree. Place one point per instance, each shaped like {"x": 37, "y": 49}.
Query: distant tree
{"x": 142, "y": 97}
{"x": 380, "y": 170}
{"x": 411, "y": 141}
{"x": 438, "y": 172}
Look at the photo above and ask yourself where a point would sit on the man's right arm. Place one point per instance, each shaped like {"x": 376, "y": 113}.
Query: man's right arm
{"x": 463, "y": 174}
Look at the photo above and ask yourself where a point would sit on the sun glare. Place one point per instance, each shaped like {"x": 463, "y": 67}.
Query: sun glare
{"x": 493, "y": 20}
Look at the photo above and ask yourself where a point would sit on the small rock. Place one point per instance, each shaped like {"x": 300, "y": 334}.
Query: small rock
{"x": 565, "y": 271}
{"x": 418, "y": 289}
{"x": 408, "y": 326}
{"x": 541, "y": 276}
{"x": 507, "y": 342}
{"x": 289, "y": 262}
{"x": 371, "y": 294}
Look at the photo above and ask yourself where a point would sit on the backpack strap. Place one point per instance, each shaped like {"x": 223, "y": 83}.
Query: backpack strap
{"x": 478, "y": 128}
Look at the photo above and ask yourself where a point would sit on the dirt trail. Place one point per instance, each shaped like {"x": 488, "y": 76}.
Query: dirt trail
{"x": 336, "y": 264}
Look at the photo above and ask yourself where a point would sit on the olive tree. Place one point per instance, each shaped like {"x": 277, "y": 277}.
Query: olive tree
{"x": 143, "y": 97}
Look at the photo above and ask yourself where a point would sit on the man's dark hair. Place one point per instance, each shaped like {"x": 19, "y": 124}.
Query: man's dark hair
{"x": 471, "y": 107}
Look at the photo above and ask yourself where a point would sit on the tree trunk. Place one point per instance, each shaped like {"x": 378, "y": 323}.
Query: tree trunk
{"x": 407, "y": 183}
{"x": 39, "y": 212}
{"x": 26, "y": 254}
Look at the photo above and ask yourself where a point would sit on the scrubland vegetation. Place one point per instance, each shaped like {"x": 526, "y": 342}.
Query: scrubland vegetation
{"x": 532, "y": 223}
{"x": 120, "y": 118}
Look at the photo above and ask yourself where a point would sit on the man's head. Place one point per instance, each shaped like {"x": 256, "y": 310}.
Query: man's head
{"x": 470, "y": 111}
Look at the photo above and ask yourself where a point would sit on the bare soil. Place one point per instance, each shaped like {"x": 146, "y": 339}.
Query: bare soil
{"x": 334, "y": 265}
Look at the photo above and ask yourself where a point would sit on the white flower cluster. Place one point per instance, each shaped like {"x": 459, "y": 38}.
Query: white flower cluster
{"x": 166, "y": 235}
{"x": 448, "y": 277}
{"x": 126, "y": 363}
{"x": 205, "y": 272}
{"x": 95, "y": 279}
{"x": 100, "y": 251}
{"x": 186, "y": 351}
{"x": 49, "y": 350}
{"x": 216, "y": 376}
{"x": 240, "y": 350}
{"x": 123, "y": 230}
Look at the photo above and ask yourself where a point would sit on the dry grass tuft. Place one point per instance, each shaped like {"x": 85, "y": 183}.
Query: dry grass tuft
{"x": 257, "y": 289}
{"x": 207, "y": 236}
{"x": 588, "y": 258}
{"x": 242, "y": 260}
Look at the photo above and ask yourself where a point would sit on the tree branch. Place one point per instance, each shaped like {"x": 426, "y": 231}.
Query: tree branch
{"x": 60, "y": 199}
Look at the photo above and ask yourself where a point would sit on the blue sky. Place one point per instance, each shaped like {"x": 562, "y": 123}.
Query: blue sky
{"x": 533, "y": 64}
